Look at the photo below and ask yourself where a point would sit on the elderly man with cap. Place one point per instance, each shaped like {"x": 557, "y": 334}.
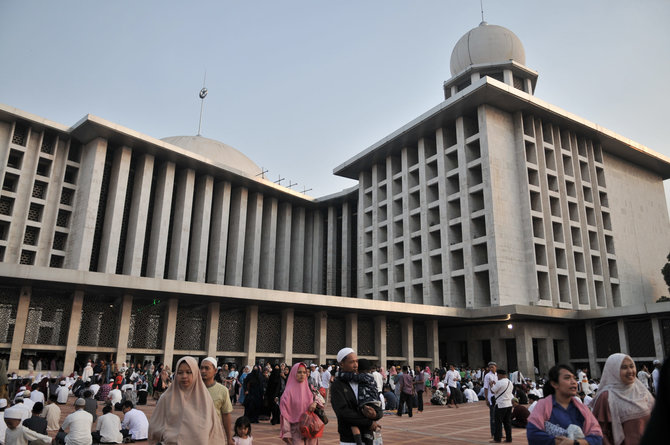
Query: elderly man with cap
{"x": 18, "y": 434}
{"x": 62, "y": 392}
{"x": 78, "y": 425}
{"x": 490, "y": 379}
{"x": 220, "y": 396}
{"x": 344, "y": 398}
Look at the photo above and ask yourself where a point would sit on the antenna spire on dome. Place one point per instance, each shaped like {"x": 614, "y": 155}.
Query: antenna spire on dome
{"x": 481, "y": 4}
{"x": 202, "y": 95}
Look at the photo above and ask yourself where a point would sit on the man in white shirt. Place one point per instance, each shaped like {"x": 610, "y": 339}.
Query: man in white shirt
{"x": 36, "y": 395}
{"x": 644, "y": 376}
{"x": 490, "y": 379}
{"x": 94, "y": 388}
{"x": 502, "y": 391}
{"x": 27, "y": 401}
{"x": 62, "y": 392}
{"x": 3, "y": 425}
{"x": 516, "y": 378}
{"x": 656, "y": 375}
{"x": 314, "y": 376}
{"x": 108, "y": 427}
{"x": 135, "y": 423}
{"x": 325, "y": 380}
{"x": 115, "y": 397}
{"x": 451, "y": 380}
{"x": 379, "y": 381}
{"x": 470, "y": 395}
{"x": 79, "y": 425}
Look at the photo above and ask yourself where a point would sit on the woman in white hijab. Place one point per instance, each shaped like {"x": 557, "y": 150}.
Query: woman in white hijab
{"x": 622, "y": 405}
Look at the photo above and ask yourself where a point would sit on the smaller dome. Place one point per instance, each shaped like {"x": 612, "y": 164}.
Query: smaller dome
{"x": 216, "y": 151}
{"x": 486, "y": 44}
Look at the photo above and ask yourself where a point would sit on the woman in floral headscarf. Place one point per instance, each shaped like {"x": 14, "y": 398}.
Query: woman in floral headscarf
{"x": 623, "y": 405}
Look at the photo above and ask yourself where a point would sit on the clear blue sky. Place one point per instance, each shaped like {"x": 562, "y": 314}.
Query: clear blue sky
{"x": 301, "y": 86}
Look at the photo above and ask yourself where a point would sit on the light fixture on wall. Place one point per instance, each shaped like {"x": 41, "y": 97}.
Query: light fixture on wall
{"x": 510, "y": 326}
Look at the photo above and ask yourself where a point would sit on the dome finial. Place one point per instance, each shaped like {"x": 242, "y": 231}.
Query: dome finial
{"x": 481, "y": 3}
{"x": 202, "y": 95}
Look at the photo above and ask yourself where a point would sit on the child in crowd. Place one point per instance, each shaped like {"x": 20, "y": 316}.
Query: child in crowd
{"x": 243, "y": 431}
{"x": 368, "y": 395}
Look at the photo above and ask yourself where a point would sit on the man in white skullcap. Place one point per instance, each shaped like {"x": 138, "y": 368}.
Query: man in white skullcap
{"x": 18, "y": 434}
{"x": 344, "y": 398}
{"x": 3, "y": 425}
{"x": 220, "y": 396}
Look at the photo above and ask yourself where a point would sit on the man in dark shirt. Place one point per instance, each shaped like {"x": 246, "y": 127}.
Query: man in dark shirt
{"x": 37, "y": 423}
{"x": 345, "y": 401}
{"x": 519, "y": 414}
{"x": 91, "y": 404}
{"x": 406, "y": 391}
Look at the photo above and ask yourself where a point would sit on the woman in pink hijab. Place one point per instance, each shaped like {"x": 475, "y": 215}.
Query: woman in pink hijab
{"x": 296, "y": 400}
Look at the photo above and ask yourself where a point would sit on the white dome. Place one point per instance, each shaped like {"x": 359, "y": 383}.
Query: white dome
{"x": 216, "y": 151}
{"x": 486, "y": 44}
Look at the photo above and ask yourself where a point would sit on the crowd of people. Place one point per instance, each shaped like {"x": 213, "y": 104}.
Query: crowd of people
{"x": 195, "y": 404}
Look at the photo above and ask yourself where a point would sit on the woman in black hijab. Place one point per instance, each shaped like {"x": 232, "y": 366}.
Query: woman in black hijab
{"x": 272, "y": 393}
{"x": 253, "y": 395}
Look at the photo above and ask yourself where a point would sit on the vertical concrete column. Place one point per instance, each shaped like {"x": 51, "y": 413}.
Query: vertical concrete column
{"x": 524, "y": 350}
{"x": 376, "y": 275}
{"x": 658, "y": 339}
{"x": 390, "y": 226}
{"x": 623, "y": 338}
{"x": 124, "y": 328}
{"x": 426, "y": 247}
{"x": 181, "y": 224}
{"x": 346, "y": 251}
{"x": 407, "y": 328}
{"x": 139, "y": 212}
{"x": 406, "y": 233}
{"x": 380, "y": 339}
{"x": 212, "y": 333}
{"x": 317, "y": 253}
{"x": 73, "y": 332}
{"x": 360, "y": 238}
{"x": 202, "y": 215}
{"x": 331, "y": 253}
{"x": 442, "y": 193}
{"x": 283, "y": 257}
{"x": 160, "y": 221}
{"x": 219, "y": 233}
{"x": 251, "y": 333}
{"x": 545, "y": 349}
{"x": 287, "y": 316}
{"x": 297, "y": 250}
{"x": 170, "y": 327}
{"x": 268, "y": 244}
{"x": 21, "y": 206}
{"x": 237, "y": 228}
{"x": 465, "y": 215}
{"x": 116, "y": 196}
{"x": 475, "y": 353}
{"x": 19, "y": 329}
{"x": 252, "y": 241}
{"x": 591, "y": 348}
{"x": 320, "y": 335}
{"x": 434, "y": 342}
{"x": 563, "y": 351}
{"x": 308, "y": 252}
{"x": 87, "y": 200}
{"x": 351, "y": 337}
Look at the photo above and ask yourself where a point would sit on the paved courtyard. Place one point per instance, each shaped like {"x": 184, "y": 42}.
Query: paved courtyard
{"x": 467, "y": 424}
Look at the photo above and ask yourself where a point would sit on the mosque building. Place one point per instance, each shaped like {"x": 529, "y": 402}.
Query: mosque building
{"x": 495, "y": 226}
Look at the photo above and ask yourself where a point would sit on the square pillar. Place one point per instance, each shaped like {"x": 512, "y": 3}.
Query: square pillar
{"x": 524, "y": 351}
{"x": 73, "y": 332}
{"x": 251, "y": 334}
{"x": 658, "y": 338}
{"x": 623, "y": 339}
{"x": 170, "y": 327}
{"x": 19, "y": 329}
{"x": 321, "y": 335}
{"x": 380, "y": 339}
{"x": 545, "y": 349}
{"x": 433, "y": 343}
{"x": 591, "y": 348}
{"x": 287, "y": 316}
{"x": 407, "y": 329}
{"x": 212, "y": 333}
{"x": 352, "y": 332}
{"x": 124, "y": 328}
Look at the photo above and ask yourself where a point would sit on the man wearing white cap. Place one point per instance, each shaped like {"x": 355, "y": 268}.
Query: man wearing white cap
{"x": 79, "y": 425}
{"x": 62, "y": 392}
{"x": 656, "y": 375}
{"x": 344, "y": 398}
{"x": 19, "y": 434}
{"x": 3, "y": 425}
{"x": 220, "y": 395}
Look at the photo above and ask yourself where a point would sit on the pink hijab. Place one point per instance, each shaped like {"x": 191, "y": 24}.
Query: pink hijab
{"x": 542, "y": 413}
{"x": 297, "y": 396}
{"x": 186, "y": 415}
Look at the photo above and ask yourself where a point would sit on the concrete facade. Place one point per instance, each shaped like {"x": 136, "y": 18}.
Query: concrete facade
{"x": 492, "y": 208}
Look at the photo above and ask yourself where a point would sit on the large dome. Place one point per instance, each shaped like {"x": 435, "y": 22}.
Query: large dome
{"x": 216, "y": 151}
{"x": 486, "y": 44}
